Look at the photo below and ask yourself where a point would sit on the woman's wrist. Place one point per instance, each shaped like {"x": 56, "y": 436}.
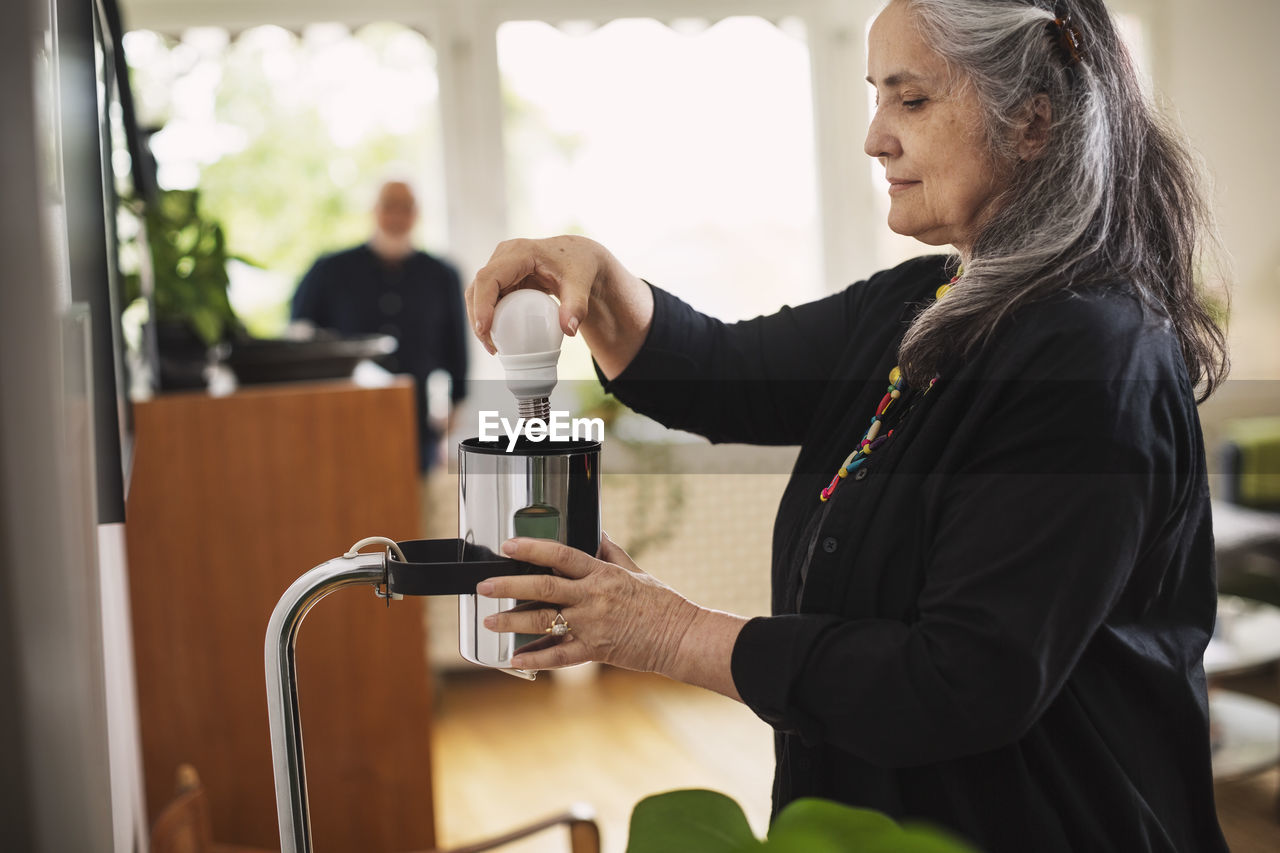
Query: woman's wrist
{"x": 704, "y": 651}
{"x": 621, "y": 315}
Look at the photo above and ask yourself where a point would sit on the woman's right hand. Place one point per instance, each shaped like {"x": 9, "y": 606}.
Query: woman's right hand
{"x": 598, "y": 296}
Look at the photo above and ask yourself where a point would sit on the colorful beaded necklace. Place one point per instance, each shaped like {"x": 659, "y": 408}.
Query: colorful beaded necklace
{"x": 872, "y": 440}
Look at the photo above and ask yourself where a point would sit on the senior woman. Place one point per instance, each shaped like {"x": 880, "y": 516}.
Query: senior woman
{"x": 992, "y": 566}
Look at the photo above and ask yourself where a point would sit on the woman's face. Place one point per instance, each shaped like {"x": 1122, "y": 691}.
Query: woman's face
{"x": 927, "y": 134}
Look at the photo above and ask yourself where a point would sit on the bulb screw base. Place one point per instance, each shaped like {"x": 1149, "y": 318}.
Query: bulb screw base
{"x": 534, "y": 407}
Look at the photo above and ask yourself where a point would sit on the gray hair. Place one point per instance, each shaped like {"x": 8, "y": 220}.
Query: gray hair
{"x": 1114, "y": 195}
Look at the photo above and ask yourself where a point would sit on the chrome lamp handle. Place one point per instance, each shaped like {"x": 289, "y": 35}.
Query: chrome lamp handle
{"x": 282, "y": 684}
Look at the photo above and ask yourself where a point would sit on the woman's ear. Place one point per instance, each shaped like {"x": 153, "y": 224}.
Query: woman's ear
{"x": 1035, "y": 133}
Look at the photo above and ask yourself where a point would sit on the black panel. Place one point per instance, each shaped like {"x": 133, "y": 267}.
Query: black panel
{"x": 91, "y": 232}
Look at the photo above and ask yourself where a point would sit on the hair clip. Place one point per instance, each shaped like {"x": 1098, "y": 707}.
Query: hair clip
{"x": 1068, "y": 39}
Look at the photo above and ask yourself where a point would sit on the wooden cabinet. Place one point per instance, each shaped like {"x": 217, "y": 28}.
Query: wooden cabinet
{"x": 230, "y": 500}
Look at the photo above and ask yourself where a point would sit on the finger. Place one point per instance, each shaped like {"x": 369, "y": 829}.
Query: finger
{"x": 523, "y": 621}
{"x": 542, "y": 642}
{"x": 512, "y": 262}
{"x": 575, "y": 285}
{"x": 469, "y": 298}
{"x": 567, "y": 561}
{"x": 612, "y": 552}
{"x": 479, "y": 327}
{"x": 574, "y": 305}
{"x": 548, "y": 588}
{"x": 567, "y": 653}
{"x": 480, "y": 296}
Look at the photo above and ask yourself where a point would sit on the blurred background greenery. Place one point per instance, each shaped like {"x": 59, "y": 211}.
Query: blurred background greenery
{"x": 288, "y": 169}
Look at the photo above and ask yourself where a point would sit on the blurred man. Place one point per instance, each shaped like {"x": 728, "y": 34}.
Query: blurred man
{"x": 387, "y": 286}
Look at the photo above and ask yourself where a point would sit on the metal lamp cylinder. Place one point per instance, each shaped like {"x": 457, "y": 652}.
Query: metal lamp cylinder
{"x": 547, "y": 490}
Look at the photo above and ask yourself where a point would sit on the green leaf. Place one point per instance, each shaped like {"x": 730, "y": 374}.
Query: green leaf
{"x": 818, "y": 826}
{"x": 839, "y": 823}
{"x": 692, "y": 821}
{"x": 698, "y": 821}
{"x": 189, "y": 262}
{"x": 802, "y": 840}
{"x": 207, "y": 324}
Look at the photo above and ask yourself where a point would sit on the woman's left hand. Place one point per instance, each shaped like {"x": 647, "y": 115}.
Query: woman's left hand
{"x": 615, "y": 612}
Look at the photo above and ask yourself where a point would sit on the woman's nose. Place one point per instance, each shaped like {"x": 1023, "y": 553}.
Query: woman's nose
{"x": 881, "y": 141}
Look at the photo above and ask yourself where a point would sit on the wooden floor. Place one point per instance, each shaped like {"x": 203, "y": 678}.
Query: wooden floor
{"x": 1249, "y": 809}
{"x": 508, "y": 752}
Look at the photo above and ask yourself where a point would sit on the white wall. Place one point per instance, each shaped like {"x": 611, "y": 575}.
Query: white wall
{"x": 1221, "y": 72}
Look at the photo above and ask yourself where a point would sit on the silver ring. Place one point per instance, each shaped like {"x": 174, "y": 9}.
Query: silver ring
{"x": 559, "y": 627}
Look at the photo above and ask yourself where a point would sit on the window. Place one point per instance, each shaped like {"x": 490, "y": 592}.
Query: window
{"x": 687, "y": 151}
{"x": 288, "y": 137}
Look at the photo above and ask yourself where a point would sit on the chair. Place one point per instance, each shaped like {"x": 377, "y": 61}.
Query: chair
{"x": 185, "y": 826}
{"x": 584, "y": 833}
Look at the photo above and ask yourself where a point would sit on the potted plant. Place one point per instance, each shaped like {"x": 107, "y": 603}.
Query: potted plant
{"x": 190, "y": 309}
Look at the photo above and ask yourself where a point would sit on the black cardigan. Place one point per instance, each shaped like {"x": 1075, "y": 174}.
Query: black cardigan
{"x": 999, "y": 626}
